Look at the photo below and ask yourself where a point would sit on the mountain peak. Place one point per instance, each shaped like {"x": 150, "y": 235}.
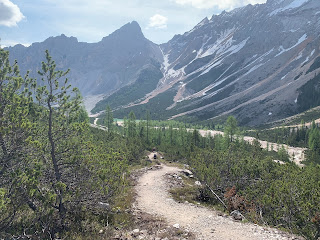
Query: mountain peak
{"x": 129, "y": 30}
{"x": 131, "y": 26}
{"x": 62, "y": 38}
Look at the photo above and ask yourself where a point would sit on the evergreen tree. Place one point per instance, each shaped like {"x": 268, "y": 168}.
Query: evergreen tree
{"x": 132, "y": 130}
{"x": 148, "y": 125}
{"x": 314, "y": 145}
{"x": 108, "y": 121}
{"x": 61, "y": 136}
{"x": 15, "y": 149}
{"x": 231, "y": 128}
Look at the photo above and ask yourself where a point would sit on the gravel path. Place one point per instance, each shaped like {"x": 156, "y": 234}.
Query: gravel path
{"x": 153, "y": 198}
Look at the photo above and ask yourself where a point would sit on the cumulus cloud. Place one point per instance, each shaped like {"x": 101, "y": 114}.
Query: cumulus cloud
{"x": 158, "y": 21}
{"x": 10, "y": 13}
{"x": 225, "y": 4}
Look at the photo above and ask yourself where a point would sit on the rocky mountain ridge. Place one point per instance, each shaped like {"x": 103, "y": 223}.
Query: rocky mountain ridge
{"x": 96, "y": 68}
{"x": 251, "y": 62}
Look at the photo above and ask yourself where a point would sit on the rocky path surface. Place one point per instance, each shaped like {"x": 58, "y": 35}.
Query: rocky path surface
{"x": 153, "y": 198}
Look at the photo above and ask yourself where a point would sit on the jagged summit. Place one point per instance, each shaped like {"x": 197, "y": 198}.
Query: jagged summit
{"x": 130, "y": 30}
{"x": 96, "y": 68}
{"x": 61, "y": 38}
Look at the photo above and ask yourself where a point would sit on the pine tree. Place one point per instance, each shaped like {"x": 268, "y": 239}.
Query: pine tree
{"x": 15, "y": 131}
{"x": 61, "y": 136}
{"x": 231, "y": 128}
{"x": 109, "y": 119}
{"x": 148, "y": 125}
{"x": 132, "y": 130}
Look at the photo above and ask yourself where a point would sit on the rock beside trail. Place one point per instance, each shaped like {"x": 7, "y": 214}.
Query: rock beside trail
{"x": 237, "y": 215}
{"x": 177, "y": 226}
{"x": 187, "y": 172}
{"x": 197, "y": 183}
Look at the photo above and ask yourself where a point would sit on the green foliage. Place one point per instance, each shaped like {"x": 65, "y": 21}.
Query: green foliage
{"x": 61, "y": 135}
{"x": 108, "y": 121}
{"x": 265, "y": 192}
{"x": 83, "y": 115}
{"x": 231, "y": 128}
{"x": 245, "y": 176}
{"x": 309, "y": 94}
{"x": 54, "y": 170}
{"x": 148, "y": 78}
{"x": 132, "y": 130}
{"x": 15, "y": 136}
{"x": 296, "y": 136}
{"x": 314, "y": 145}
{"x": 283, "y": 154}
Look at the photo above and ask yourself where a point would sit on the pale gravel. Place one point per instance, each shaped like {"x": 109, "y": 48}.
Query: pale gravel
{"x": 153, "y": 198}
{"x": 296, "y": 154}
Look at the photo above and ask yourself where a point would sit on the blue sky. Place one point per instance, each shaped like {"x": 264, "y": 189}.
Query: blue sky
{"x": 28, "y": 21}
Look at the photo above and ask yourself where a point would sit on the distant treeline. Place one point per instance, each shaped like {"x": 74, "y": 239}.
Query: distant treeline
{"x": 303, "y": 136}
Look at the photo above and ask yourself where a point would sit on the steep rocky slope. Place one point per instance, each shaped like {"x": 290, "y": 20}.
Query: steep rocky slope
{"x": 250, "y": 62}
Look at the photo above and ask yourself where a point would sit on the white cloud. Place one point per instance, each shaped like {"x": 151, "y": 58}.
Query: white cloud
{"x": 10, "y": 13}
{"x": 221, "y": 4}
{"x": 158, "y": 21}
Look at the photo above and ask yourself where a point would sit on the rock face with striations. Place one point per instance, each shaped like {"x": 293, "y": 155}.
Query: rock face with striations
{"x": 250, "y": 62}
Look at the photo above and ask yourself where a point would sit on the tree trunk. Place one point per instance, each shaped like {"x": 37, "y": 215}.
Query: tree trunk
{"x": 52, "y": 144}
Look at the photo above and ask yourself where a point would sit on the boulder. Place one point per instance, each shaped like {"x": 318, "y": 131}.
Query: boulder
{"x": 186, "y": 172}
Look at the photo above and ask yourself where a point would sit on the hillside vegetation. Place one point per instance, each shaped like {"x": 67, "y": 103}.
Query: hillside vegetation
{"x": 59, "y": 178}
{"x": 244, "y": 176}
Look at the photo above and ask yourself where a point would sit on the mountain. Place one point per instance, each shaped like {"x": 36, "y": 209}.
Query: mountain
{"x": 96, "y": 68}
{"x": 259, "y": 63}
{"x": 252, "y": 62}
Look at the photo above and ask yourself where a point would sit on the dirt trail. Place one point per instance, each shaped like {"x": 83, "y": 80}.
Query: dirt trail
{"x": 153, "y": 198}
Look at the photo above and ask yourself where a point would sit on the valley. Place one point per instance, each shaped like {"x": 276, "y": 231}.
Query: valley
{"x": 211, "y": 134}
{"x": 296, "y": 154}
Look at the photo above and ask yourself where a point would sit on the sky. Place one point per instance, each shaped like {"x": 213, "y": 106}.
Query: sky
{"x": 29, "y": 21}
